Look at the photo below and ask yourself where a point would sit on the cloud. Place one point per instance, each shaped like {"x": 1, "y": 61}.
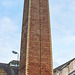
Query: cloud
{"x": 9, "y": 39}
{"x": 7, "y": 25}
{"x": 10, "y": 28}
{"x": 11, "y": 3}
{"x": 62, "y": 15}
{"x": 64, "y": 57}
{"x": 7, "y": 3}
{"x": 63, "y": 30}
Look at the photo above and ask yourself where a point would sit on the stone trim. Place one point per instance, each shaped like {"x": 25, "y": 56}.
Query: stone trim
{"x": 28, "y": 39}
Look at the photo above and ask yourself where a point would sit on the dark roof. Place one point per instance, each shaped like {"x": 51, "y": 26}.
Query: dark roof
{"x": 14, "y": 62}
{"x": 63, "y": 66}
{"x": 72, "y": 72}
{"x": 10, "y": 70}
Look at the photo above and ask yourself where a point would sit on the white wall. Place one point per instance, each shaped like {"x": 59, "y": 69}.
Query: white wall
{"x": 68, "y": 69}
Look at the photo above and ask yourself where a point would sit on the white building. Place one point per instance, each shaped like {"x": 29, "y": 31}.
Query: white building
{"x": 66, "y": 69}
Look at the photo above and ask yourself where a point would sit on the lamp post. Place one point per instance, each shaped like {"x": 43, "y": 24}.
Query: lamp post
{"x": 17, "y": 58}
{"x": 17, "y": 54}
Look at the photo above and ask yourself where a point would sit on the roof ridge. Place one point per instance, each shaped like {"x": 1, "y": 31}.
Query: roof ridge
{"x": 63, "y": 65}
{"x": 4, "y": 63}
{"x": 71, "y": 72}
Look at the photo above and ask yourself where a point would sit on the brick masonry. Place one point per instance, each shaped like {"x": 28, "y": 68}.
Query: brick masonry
{"x": 36, "y": 49}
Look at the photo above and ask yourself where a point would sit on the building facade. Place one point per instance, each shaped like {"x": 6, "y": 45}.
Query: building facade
{"x": 66, "y": 69}
{"x": 9, "y": 69}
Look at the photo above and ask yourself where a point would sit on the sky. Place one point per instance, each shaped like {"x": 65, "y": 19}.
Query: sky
{"x": 62, "y": 20}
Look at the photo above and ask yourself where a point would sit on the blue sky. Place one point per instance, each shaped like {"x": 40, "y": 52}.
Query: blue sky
{"x": 62, "y": 17}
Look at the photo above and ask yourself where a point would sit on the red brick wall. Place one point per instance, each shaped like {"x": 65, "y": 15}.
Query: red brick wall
{"x": 34, "y": 39}
{"x": 24, "y": 38}
{"x": 39, "y": 51}
{"x": 46, "y": 50}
